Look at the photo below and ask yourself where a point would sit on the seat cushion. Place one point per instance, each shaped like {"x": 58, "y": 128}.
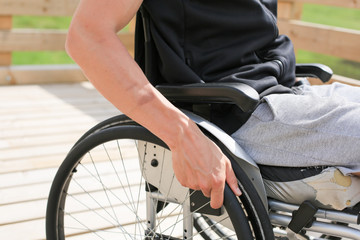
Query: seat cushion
{"x": 287, "y": 174}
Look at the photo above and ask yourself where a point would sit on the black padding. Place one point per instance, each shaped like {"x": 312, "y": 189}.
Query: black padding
{"x": 288, "y": 174}
{"x": 245, "y": 97}
{"x": 323, "y": 72}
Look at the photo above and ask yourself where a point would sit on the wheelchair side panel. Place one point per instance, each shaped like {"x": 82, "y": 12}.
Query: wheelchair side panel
{"x": 156, "y": 167}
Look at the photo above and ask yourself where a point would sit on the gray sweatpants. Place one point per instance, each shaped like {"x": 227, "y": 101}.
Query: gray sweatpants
{"x": 319, "y": 125}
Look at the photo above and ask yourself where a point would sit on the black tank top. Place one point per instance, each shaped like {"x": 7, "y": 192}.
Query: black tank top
{"x": 220, "y": 40}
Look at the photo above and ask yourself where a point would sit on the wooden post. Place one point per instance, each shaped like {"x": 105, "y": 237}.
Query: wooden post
{"x": 295, "y": 13}
{"x": 290, "y": 10}
{"x": 296, "y": 10}
{"x": 132, "y": 25}
{"x": 5, "y": 24}
{"x": 5, "y": 57}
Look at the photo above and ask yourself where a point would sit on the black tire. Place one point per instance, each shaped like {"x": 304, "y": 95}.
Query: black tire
{"x": 84, "y": 199}
{"x": 118, "y": 120}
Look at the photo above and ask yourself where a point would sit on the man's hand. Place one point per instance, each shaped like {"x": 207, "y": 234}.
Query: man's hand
{"x": 200, "y": 165}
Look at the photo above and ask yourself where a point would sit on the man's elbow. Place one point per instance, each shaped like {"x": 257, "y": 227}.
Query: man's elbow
{"x": 83, "y": 37}
{"x": 71, "y": 43}
{"x": 78, "y": 38}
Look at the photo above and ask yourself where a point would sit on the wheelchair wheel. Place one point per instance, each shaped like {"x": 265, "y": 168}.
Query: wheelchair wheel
{"x": 115, "y": 183}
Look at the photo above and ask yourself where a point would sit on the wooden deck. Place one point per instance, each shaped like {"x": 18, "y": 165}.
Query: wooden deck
{"x": 38, "y": 125}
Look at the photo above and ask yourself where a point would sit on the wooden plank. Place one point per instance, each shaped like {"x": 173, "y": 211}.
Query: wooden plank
{"x": 35, "y": 129}
{"x": 336, "y": 78}
{"x": 42, "y": 39}
{"x": 17, "y": 179}
{"x": 19, "y": 213}
{"x": 38, "y": 191}
{"x": 132, "y": 25}
{"x": 338, "y": 3}
{"x": 32, "y": 229}
{"x": 340, "y": 42}
{"x": 32, "y": 40}
{"x": 90, "y": 107}
{"x": 342, "y": 79}
{"x": 80, "y": 127}
{"x": 37, "y": 74}
{"x": 29, "y": 164}
{"x": 21, "y": 115}
{"x": 36, "y": 163}
{"x": 67, "y": 94}
{"x": 38, "y": 7}
{"x": 46, "y": 161}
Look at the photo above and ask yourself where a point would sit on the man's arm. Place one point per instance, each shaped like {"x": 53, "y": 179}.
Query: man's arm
{"x": 93, "y": 43}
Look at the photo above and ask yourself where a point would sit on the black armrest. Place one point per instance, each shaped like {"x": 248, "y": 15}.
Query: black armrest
{"x": 240, "y": 94}
{"x": 316, "y": 70}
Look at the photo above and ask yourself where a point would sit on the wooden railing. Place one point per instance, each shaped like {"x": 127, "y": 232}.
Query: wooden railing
{"x": 334, "y": 41}
{"x": 339, "y": 42}
{"x": 38, "y": 40}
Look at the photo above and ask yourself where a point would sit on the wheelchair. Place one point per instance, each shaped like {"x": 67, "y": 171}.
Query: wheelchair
{"x": 117, "y": 182}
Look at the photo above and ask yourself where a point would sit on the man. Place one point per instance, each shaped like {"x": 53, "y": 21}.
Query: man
{"x": 93, "y": 43}
{"x": 198, "y": 163}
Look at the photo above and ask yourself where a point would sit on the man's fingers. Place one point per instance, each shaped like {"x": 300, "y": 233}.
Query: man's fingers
{"x": 206, "y": 194}
{"x": 232, "y": 180}
{"x": 217, "y": 196}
